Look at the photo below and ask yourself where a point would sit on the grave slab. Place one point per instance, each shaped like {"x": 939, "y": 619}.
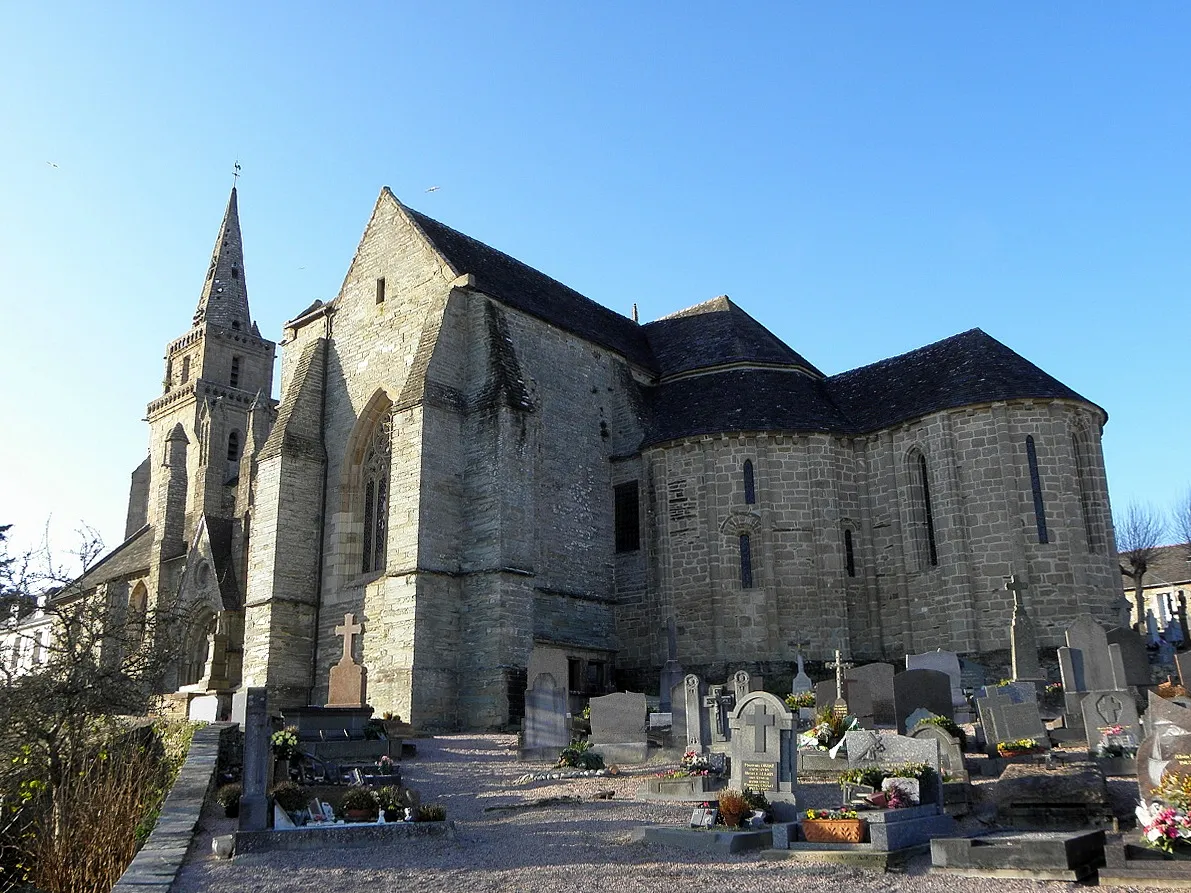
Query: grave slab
{"x": 1039, "y": 855}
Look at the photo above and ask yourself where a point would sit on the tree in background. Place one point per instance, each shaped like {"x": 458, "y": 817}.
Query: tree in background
{"x": 69, "y": 758}
{"x": 1139, "y": 533}
{"x": 1182, "y": 520}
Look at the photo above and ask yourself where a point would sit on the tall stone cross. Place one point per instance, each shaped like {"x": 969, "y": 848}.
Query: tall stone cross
{"x": 759, "y": 718}
{"x": 349, "y": 630}
{"x": 1017, "y": 587}
{"x": 839, "y": 665}
{"x": 671, "y": 639}
{"x": 798, "y": 646}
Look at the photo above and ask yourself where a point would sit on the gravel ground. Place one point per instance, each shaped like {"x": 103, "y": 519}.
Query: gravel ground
{"x": 580, "y": 847}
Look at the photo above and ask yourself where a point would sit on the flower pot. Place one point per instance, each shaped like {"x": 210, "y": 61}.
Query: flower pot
{"x": 232, "y": 810}
{"x": 835, "y": 830}
{"x": 359, "y": 815}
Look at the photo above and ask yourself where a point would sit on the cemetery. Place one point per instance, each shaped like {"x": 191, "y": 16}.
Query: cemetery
{"x": 1079, "y": 770}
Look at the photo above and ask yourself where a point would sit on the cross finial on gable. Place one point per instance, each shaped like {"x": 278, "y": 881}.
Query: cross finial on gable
{"x": 235, "y": 174}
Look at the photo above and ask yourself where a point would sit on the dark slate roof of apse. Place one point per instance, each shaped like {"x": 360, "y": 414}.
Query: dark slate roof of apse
{"x": 740, "y": 400}
{"x": 523, "y": 288}
{"x": 965, "y": 369}
{"x": 716, "y": 333}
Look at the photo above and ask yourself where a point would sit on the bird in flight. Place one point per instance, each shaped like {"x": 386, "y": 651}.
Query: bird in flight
{"x": 431, "y": 189}
{"x": 51, "y": 164}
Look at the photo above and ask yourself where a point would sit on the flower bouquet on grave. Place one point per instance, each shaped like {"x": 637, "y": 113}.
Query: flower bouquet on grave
{"x": 828, "y": 731}
{"x": 284, "y": 743}
{"x": 1017, "y": 747}
{"x": 384, "y": 766}
{"x": 1116, "y": 742}
{"x": 1165, "y": 821}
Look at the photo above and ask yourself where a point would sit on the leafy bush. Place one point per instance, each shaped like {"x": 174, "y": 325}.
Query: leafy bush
{"x": 578, "y": 755}
{"x": 431, "y": 812}
{"x": 358, "y": 797}
{"x": 806, "y": 699}
{"x": 290, "y": 796}
{"x": 229, "y": 794}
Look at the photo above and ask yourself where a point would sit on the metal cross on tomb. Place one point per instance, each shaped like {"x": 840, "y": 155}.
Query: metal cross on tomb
{"x": 1017, "y": 587}
{"x": 759, "y": 718}
{"x": 349, "y": 630}
{"x": 839, "y": 665}
{"x": 717, "y": 701}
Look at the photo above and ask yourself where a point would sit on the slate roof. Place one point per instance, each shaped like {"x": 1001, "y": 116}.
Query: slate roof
{"x": 740, "y": 400}
{"x": 130, "y": 557}
{"x": 965, "y": 369}
{"x": 523, "y": 288}
{"x": 716, "y": 333}
{"x": 1172, "y": 564}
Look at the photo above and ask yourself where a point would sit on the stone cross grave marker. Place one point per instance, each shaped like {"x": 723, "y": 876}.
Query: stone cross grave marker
{"x": 349, "y": 680}
{"x": 802, "y": 682}
{"x": 718, "y": 702}
{"x": 1023, "y": 637}
{"x": 254, "y": 804}
{"x": 545, "y": 728}
{"x": 930, "y": 689}
{"x": 698, "y": 736}
{"x": 839, "y": 665}
{"x": 1104, "y": 710}
{"x": 764, "y": 753}
{"x": 878, "y": 679}
{"x": 672, "y": 672}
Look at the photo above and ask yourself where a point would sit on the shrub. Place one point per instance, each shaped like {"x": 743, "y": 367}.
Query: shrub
{"x": 431, "y": 812}
{"x": 289, "y": 795}
{"x": 578, "y": 755}
{"x": 358, "y": 797}
{"x": 229, "y": 794}
{"x": 806, "y": 699}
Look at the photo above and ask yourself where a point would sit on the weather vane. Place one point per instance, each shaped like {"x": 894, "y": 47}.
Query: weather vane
{"x": 235, "y": 174}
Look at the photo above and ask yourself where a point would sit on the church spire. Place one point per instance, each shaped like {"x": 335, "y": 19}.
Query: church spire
{"x": 224, "y": 299}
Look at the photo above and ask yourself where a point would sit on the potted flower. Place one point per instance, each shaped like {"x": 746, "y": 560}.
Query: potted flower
{"x": 228, "y": 797}
{"x": 430, "y": 812}
{"x": 384, "y": 766}
{"x": 284, "y": 744}
{"x": 358, "y": 804}
{"x": 392, "y": 800}
{"x": 733, "y": 805}
{"x": 834, "y": 826}
{"x": 290, "y": 796}
{"x": 1018, "y": 747}
{"x": 1165, "y": 822}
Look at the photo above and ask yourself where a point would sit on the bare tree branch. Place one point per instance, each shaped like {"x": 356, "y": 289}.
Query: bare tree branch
{"x": 1139, "y": 533}
{"x": 1182, "y": 519}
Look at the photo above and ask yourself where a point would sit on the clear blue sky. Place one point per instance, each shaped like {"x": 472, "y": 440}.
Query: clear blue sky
{"x": 863, "y": 178}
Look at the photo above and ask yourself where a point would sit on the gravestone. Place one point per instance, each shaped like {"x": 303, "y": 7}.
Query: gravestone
{"x": 718, "y": 703}
{"x": 1133, "y": 655}
{"x": 1003, "y": 720}
{"x": 802, "y": 682}
{"x": 1167, "y": 738}
{"x": 698, "y": 737}
{"x": 944, "y": 662}
{"x": 1103, "y": 710}
{"x": 951, "y": 754}
{"x": 254, "y": 804}
{"x": 869, "y": 748}
{"x": 878, "y": 679}
{"x": 672, "y": 672}
{"x": 930, "y": 689}
{"x": 972, "y": 675}
{"x": 1088, "y": 663}
{"x": 349, "y": 681}
{"x": 1016, "y": 692}
{"x": 678, "y": 726}
{"x": 1023, "y": 638}
{"x": 618, "y": 727}
{"x": 764, "y": 751}
{"x": 545, "y": 727}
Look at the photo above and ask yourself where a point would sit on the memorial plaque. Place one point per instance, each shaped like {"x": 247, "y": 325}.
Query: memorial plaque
{"x": 760, "y": 776}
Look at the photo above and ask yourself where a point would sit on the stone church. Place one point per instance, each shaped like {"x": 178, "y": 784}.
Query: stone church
{"x": 478, "y": 461}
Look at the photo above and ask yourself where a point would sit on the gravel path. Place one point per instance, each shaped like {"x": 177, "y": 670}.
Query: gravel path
{"x": 582, "y": 847}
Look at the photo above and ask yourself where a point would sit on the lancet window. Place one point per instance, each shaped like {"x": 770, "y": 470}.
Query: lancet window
{"x": 375, "y": 479}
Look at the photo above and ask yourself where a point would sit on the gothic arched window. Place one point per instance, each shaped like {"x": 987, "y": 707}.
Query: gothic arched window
{"x": 750, "y": 487}
{"x": 1081, "y": 445}
{"x": 375, "y": 479}
{"x": 922, "y": 516}
{"x": 746, "y": 562}
{"x": 233, "y": 446}
{"x": 1036, "y": 488}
